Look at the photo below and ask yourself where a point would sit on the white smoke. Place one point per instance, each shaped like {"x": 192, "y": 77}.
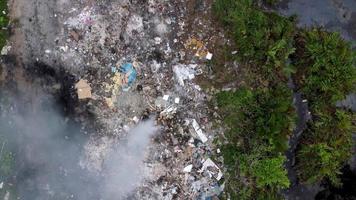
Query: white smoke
{"x": 48, "y": 148}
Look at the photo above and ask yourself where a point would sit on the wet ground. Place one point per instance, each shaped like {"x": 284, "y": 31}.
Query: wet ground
{"x": 334, "y": 15}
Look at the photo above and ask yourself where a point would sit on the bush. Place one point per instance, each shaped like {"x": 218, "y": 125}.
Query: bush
{"x": 326, "y": 73}
{"x": 271, "y": 173}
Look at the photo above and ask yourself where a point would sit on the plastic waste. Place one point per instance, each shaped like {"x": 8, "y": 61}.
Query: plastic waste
{"x": 130, "y": 75}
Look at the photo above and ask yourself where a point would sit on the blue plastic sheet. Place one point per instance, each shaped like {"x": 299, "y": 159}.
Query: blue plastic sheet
{"x": 130, "y": 72}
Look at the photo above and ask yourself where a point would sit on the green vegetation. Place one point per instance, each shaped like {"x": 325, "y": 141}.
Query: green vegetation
{"x": 260, "y": 115}
{"x": 4, "y": 21}
{"x": 326, "y": 74}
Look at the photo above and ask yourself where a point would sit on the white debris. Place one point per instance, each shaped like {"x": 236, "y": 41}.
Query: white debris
{"x": 166, "y": 97}
{"x": 209, "y": 56}
{"x": 1, "y": 185}
{"x": 188, "y": 168}
{"x": 136, "y": 119}
{"x": 47, "y": 51}
{"x": 183, "y": 72}
{"x": 234, "y": 52}
{"x": 199, "y": 132}
{"x": 158, "y": 40}
{"x": 168, "y": 111}
{"x": 176, "y": 100}
{"x": 304, "y": 100}
{"x": 209, "y": 163}
{"x": 218, "y": 151}
{"x": 63, "y": 48}
{"x": 5, "y": 50}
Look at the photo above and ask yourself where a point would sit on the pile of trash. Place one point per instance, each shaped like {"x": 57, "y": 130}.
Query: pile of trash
{"x": 135, "y": 60}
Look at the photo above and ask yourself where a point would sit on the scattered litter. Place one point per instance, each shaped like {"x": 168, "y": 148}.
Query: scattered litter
{"x": 188, "y": 168}
{"x": 199, "y": 132}
{"x": 207, "y": 165}
{"x": 129, "y": 73}
{"x": 304, "y": 100}
{"x": 83, "y": 89}
{"x": 169, "y": 111}
{"x": 209, "y": 56}
{"x": 176, "y": 100}
{"x": 166, "y": 97}
{"x": 158, "y": 40}
{"x": 234, "y": 52}
{"x": 136, "y": 119}
{"x": 183, "y": 72}
{"x": 63, "y": 48}
{"x": 197, "y": 46}
{"x": 5, "y": 50}
{"x": 47, "y": 51}
{"x": 113, "y": 69}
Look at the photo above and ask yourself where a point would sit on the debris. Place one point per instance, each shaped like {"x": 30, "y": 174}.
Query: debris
{"x": 109, "y": 102}
{"x": 83, "y": 89}
{"x": 63, "y": 48}
{"x": 113, "y": 69}
{"x": 1, "y": 185}
{"x": 158, "y": 40}
{"x": 169, "y": 111}
{"x": 197, "y": 46}
{"x": 183, "y": 72}
{"x": 176, "y": 100}
{"x": 166, "y": 97}
{"x": 209, "y": 56}
{"x": 207, "y": 164}
{"x": 136, "y": 119}
{"x": 5, "y": 50}
{"x": 199, "y": 132}
{"x": 129, "y": 73}
{"x": 47, "y": 51}
{"x": 188, "y": 168}
{"x": 74, "y": 35}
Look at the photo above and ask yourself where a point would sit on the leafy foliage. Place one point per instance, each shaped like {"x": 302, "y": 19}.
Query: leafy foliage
{"x": 271, "y": 173}
{"x": 326, "y": 73}
{"x": 327, "y": 66}
{"x": 260, "y": 116}
{"x": 260, "y": 122}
